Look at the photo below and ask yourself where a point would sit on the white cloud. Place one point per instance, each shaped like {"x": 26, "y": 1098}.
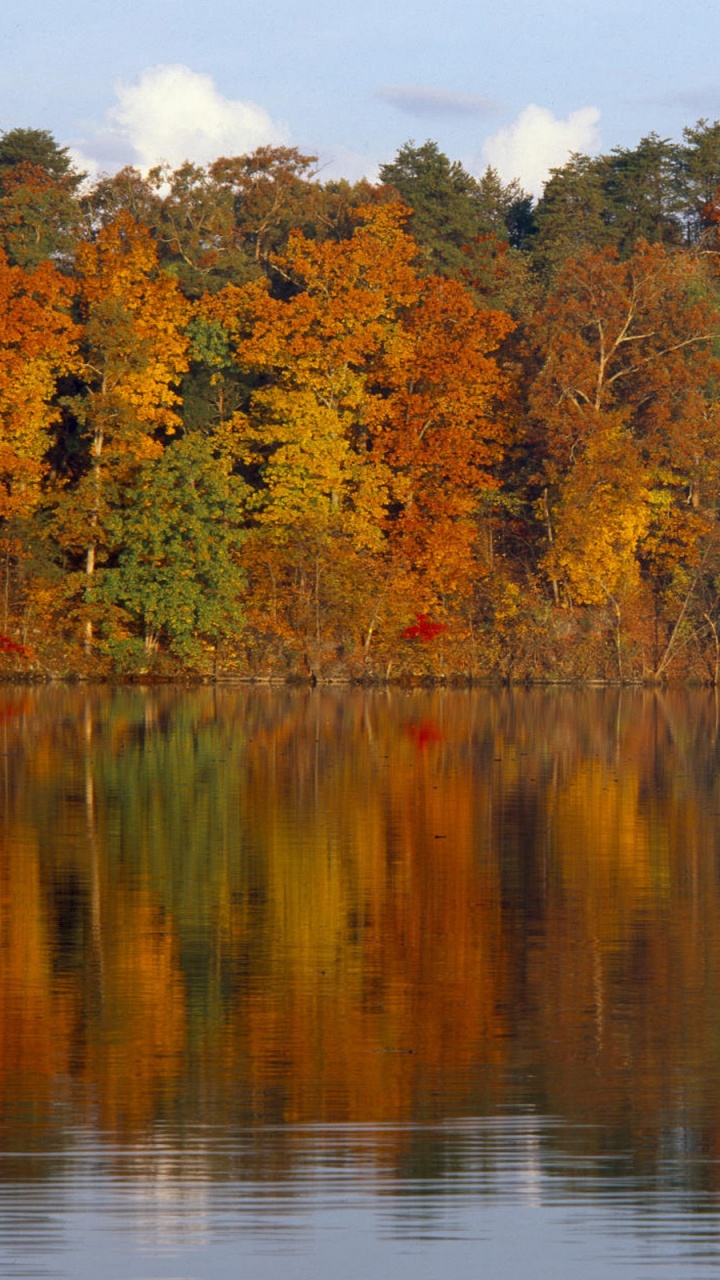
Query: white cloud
{"x": 171, "y": 114}
{"x": 536, "y": 143}
{"x": 84, "y": 164}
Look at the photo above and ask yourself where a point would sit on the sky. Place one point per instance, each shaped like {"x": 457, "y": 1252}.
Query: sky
{"x": 518, "y": 86}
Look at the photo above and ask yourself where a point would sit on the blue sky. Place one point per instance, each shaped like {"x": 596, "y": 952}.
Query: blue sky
{"x": 518, "y": 85}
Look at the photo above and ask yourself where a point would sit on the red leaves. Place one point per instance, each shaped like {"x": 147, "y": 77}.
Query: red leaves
{"x": 10, "y": 646}
{"x": 423, "y": 629}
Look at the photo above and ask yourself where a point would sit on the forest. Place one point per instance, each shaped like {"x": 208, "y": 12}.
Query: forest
{"x": 259, "y": 425}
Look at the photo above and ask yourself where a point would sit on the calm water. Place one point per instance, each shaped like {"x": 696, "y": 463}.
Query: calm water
{"x": 315, "y": 984}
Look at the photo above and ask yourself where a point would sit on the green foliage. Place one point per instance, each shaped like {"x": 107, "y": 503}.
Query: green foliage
{"x": 643, "y": 194}
{"x": 176, "y": 581}
{"x": 450, "y": 209}
{"x": 38, "y": 148}
{"x": 214, "y": 388}
{"x": 572, "y": 214}
{"x": 699, "y": 176}
{"x": 658, "y": 191}
{"x": 507, "y": 210}
{"x": 39, "y": 210}
{"x": 126, "y": 191}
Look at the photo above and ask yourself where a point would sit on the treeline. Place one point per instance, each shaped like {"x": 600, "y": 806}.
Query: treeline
{"x": 256, "y": 423}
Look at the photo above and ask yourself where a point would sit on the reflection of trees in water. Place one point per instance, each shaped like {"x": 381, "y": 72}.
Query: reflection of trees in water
{"x": 281, "y": 906}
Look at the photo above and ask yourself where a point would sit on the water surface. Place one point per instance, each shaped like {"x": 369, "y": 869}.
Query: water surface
{"x": 311, "y": 983}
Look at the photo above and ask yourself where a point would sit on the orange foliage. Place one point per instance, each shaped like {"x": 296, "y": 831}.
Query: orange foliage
{"x": 37, "y": 343}
{"x": 135, "y": 344}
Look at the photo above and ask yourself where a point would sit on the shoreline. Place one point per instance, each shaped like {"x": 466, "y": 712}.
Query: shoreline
{"x": 456, "y": 682}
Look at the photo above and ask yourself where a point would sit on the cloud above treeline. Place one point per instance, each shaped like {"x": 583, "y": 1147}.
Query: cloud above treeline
{"x": 537, "y": 142}
{"x": 170, "y": 114}
{"x": 416, "y": 101}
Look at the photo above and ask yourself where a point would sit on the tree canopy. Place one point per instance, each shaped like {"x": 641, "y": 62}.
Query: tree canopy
{"x": 259, "y": 423}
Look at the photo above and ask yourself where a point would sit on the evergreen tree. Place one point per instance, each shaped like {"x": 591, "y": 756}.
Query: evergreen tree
{"x": 642, "y": 190}
{"x": 571, "y": 216}
{"x": 37, "y": 147}
{"x": 699, "y": 177}
{"x": 449, "y": 209}
{"x": 39, "y": 210}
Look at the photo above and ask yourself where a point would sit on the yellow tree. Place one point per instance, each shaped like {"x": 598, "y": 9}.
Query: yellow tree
{"x": 626, "y": 427}
{"x": 322, "y": 490}
{"x": 134, "y": 352}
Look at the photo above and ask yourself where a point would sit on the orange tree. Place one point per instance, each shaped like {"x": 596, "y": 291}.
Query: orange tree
{"x": 440, "y": 426}
{"x": 37, "y": 345}
{"x": 371, "y": 431}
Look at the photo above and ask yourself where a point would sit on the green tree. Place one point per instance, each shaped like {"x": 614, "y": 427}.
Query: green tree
{"x": 615, "y": 200}
{"x": 133, "y": 354}
{"x": 571, "y": 216}
{"x": 643, "y": 195}
{"x": 176, "y": 585}
{"x": 699, "y": 177}
{"x": 507, "y": 210}
{"x": 39, "y": 209}
{"x": 214, "y": 388}
{"x": 449, "y": 209}
{"x": 38, "y": 148}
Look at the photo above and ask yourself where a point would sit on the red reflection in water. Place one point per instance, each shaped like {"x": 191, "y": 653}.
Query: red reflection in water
{"x": 423, "y": 733}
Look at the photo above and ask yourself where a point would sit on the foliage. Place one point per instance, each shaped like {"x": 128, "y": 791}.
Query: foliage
{"x": 452, "y": 213}
{"x": 254, "y": 421}
{"x": 176, "y": 581}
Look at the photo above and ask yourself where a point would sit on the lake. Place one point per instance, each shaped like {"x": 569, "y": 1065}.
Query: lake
{"x": 357, "y": 983}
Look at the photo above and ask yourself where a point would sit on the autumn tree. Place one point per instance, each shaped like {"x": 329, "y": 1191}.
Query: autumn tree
{"x": 321, "y": 492}
{"x": 134, "y": 351}
{"x": 270, "y": 191}
{"x": 37, "y": 342}
{"x": 126, "y": 191}
{"x": 440, "y": 429}
{"x": 370, "y": 435}
{"x": 626, "y": 420}
{"x": 195, "y": 227}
